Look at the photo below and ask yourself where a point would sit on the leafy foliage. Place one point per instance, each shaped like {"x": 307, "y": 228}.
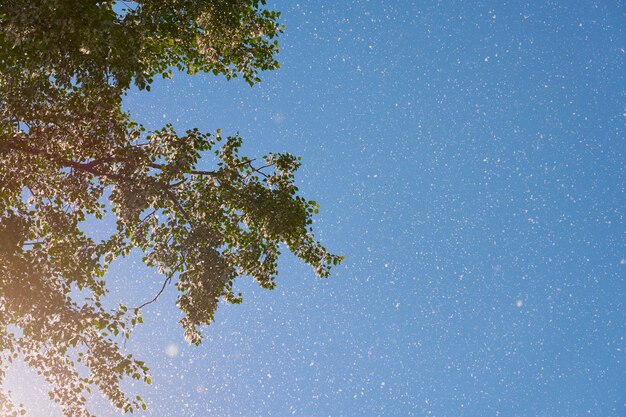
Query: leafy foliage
{"x": 66, "y": 146}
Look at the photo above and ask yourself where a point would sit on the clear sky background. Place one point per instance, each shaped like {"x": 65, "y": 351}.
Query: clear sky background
{"x": 469, "y": 162}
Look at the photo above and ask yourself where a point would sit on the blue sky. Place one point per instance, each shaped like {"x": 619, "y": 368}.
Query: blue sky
{"x": 469, "y": 163}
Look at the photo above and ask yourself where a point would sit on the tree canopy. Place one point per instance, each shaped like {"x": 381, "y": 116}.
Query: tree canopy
{"x": 68, "y": 153}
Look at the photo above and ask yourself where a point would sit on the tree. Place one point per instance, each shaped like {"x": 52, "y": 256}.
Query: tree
{"x": 66, "y": 147}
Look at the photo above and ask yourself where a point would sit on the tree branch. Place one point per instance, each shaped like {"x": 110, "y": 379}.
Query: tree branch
{"x": 208, "y": 173}
{"x": 89, "y": 168}
{"x": 68, "y": 163}
{"x": 156, "y": 297}
{"x": 177, "y": 203}
{"x": 193, "y": 171}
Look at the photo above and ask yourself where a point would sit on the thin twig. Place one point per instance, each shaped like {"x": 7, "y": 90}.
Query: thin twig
{"x": 147, "y": 217}
{"x": 39, "y": 242}
{"x": 156, "y": 297}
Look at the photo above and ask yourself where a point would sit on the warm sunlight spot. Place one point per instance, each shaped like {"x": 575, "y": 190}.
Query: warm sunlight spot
{"x": 30, "y": 389}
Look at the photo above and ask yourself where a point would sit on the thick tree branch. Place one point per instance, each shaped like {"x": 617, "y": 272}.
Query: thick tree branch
{"x": 63, "y": 162}
{"x": 89, "y": 168}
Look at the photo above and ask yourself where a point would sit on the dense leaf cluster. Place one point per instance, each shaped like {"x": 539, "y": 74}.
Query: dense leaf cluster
{"x": 68, "y": 152}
